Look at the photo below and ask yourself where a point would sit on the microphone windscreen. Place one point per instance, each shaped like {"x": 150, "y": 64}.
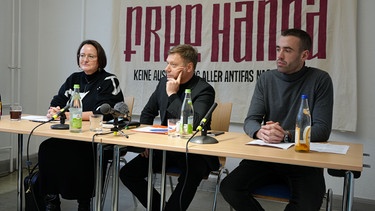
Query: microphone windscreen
{"x": 122, "y": 108}
{"x": 105, "y": 108}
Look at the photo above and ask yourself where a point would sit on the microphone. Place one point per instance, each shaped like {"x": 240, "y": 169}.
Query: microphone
{"x": 204, "y": 139}
{"x": 59, "y": 113}
{"x": 120, "y": 109}
{"x": 205, "y": 118}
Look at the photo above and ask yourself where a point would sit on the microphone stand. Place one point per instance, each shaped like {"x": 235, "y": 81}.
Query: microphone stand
{"x": 204, "y": 139}
{"x": 62, "y": 125}
{"x": 115, "y": 128}
{"x": 116, "y": 125}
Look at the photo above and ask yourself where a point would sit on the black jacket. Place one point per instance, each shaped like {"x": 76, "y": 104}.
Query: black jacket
{"x": 203, "y": 96}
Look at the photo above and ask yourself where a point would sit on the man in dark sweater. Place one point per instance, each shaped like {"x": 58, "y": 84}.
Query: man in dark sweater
{"x": 272, "y": 117}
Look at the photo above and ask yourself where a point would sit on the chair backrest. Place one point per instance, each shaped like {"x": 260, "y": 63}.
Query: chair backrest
{"x": 220, "y": 119}
{"x": 129, "y": 101}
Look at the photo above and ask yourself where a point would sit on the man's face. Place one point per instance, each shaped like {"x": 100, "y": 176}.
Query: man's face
{"x": 290, "y": 57}
{"x": 175, "y": 66}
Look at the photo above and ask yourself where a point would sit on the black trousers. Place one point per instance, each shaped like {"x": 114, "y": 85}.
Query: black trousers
{"x": 134, "y": 175}
{"x": 307, "y": 185}
{"x": 67, "y": 167}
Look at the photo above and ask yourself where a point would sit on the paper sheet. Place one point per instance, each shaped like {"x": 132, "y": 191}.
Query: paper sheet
{"x": 152, "y": 129}
{"x": 318, "y": 147}
{"x": 331, "y": 148}
{"x": 36, "y": 118}
{"x": 261, "y": 142}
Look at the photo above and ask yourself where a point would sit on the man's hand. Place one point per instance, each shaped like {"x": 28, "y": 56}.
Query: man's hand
{"x": 272, "y": 133}
{"x": 173, "y": 85}
{"x": 145, "y": 153}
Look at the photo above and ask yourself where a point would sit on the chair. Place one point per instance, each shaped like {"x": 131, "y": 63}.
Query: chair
{"x": 280, "y": 191}
{"x": 348, "y": 183}
{"x": 220, "y": 121}
{"x": 129, "y": 101}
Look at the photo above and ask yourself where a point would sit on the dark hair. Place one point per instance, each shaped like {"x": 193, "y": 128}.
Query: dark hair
{"x": 102, "y": 58}
{"x": 187, "y": 52}
{"x": 304, "y": 37}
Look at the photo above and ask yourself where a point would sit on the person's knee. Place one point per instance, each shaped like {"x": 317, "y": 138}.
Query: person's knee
{"x": 123, "y": 175}
{"x": 224, "y": 187}
{"x": 45, "y": 148}
{"x": 307, "y": 200}
{"x": 44, "y": 145}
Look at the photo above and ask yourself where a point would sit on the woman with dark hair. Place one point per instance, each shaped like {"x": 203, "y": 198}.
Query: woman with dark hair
{"x": 66, "y": 167}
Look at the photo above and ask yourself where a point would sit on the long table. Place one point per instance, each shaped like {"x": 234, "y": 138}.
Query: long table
{"x": 231, "y": 144}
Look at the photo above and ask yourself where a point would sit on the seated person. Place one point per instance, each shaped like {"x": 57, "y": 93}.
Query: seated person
{"x": 66, "y": 167}
{"x": 272, "y": 118}
{"x": 167, "y": 101}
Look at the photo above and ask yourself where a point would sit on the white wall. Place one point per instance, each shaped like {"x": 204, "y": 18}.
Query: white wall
{"x": 364, "y": 186}
{"x": 52, "y": 30}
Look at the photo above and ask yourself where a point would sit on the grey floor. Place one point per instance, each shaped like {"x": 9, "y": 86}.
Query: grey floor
{"x": 202, "y": 200}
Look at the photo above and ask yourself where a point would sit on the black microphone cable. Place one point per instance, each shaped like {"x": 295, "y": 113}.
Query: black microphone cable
{"x": 29, "y": 163}
{"x": 94, "y": 158}
{"x": 187, "y": 167}
{"x": 199, "y": 128}
{"x": 94, "y": 152}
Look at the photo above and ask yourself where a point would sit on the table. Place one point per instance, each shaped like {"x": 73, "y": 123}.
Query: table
{"x": 231, "y": 144}
{"x": 24, "y": 127}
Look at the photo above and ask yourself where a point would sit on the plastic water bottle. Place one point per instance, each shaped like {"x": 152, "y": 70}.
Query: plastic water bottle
{"x": 303, "y": 127}
{"x": 187, "y": 116}
{"x": 75, "y": 111}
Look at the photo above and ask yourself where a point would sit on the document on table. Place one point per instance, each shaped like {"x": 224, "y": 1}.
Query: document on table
{"x": 261, "y": 142}
{"x": 332, "y": 148}
{"x": 318, "y": 147}
{"x": 152, "y": 129}
{"x": 36, "y": 118}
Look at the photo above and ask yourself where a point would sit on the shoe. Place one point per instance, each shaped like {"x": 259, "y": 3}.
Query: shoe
{"x": 84, "y": 204}
{"x": 52, "y": 202}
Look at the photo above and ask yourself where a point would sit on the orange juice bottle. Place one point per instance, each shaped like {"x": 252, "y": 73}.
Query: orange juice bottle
{"x": 303, "y": 127}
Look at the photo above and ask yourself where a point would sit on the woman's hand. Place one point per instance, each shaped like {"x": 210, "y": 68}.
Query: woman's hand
{"x": 52, "y": 111}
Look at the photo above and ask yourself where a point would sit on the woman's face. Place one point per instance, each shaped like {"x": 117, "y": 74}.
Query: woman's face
{"x": 88, "y": 59}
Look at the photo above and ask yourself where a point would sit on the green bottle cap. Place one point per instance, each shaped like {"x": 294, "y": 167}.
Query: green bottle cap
{"x": 76, "y": 86}
{"x": 187, "y": 90}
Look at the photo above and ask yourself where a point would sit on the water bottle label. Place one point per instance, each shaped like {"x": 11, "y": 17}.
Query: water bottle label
{"x": 77, "y": 123}
{"x": 188, "y": 129}
{"x": 307, "y": 134}
{"x": 302, "y": 143}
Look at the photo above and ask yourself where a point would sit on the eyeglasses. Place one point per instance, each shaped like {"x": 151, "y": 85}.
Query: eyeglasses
{"x": 89, "y": 57}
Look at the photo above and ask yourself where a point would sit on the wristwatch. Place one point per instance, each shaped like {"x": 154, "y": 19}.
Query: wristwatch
{"x": 287, "y": 136}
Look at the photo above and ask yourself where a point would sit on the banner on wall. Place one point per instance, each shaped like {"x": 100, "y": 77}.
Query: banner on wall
{"x": 236, "y": 41}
